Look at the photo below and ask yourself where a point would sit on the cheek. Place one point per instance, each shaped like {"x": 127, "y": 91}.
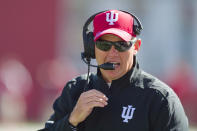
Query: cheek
{"x": 100, "y": 56}
{"x": 127, "y": 58}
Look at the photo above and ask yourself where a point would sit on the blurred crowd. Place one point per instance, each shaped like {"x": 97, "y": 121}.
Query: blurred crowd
{"x": 41, "y": 43}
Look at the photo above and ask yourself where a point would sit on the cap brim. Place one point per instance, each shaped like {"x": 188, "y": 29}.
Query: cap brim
{"x": 120, "y": 33}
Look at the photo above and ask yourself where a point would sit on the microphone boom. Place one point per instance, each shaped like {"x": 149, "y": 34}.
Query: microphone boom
{"x": 105, "y": 66}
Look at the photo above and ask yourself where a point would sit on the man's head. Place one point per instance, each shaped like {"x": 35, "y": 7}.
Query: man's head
{"x": 115, "y": 42}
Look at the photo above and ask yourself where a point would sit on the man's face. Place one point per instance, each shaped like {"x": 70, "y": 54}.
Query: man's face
{"x": 124, "y": 59}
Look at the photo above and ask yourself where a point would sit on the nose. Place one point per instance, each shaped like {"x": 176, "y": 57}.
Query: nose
{"x": 113, "y": 51}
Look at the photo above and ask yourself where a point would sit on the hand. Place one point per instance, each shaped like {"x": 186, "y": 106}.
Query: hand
{"x": 85, "y": 104}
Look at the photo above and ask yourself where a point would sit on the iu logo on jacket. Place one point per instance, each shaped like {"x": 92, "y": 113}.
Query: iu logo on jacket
{"x": 127, "y": 113}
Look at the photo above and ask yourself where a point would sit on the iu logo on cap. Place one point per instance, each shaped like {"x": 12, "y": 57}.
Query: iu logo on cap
{"x": 127, "y": 113}
{"x": 113, "y": 18}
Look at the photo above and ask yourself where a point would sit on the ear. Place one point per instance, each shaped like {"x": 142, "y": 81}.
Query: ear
{"x": 137, "y": 46}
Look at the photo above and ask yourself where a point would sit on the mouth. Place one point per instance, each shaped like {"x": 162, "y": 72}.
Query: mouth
{"x": 117, "y": 64}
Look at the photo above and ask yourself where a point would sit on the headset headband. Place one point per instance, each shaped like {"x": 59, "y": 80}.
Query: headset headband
{"x": 88, "y": 37}
{"x": 90, "y": 19}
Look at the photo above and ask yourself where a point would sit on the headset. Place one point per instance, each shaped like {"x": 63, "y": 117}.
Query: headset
{"x": 88, "y": 37}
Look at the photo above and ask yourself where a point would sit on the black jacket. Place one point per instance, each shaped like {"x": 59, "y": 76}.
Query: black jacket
{"x": 137, "y": 102}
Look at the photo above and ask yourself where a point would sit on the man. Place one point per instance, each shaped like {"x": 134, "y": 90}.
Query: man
{"x": 123, "y": 99}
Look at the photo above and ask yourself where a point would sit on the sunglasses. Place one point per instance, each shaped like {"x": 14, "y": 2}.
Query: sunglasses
{"x": 121, "y": 46}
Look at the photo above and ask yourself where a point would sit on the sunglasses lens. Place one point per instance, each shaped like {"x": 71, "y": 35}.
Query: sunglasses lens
{"x": 121, "y": 46}
{"x": 103, "y": 45}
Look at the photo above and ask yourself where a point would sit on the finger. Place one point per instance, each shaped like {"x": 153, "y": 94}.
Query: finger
{"x": 94, "y": 92}
{"x": 95, "y": 98}
{"x": 93, "y": 104}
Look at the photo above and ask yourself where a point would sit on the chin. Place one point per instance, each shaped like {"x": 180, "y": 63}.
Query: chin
{"x": 113, "y": 74}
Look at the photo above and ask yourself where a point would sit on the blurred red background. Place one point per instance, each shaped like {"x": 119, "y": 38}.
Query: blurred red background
{"x": 27, "y": 35}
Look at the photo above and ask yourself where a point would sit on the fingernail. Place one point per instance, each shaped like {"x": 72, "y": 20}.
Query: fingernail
{"x": 105, "y": 97}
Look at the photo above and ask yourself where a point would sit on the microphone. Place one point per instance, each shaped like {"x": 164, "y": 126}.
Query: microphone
{"x": 105, "y": 66}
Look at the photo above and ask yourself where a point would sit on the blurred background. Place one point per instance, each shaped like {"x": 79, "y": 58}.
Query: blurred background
{"x": 41, "y": 42}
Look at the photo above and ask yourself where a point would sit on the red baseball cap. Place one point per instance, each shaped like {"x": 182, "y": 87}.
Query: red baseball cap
{"x": 113, "y": 22}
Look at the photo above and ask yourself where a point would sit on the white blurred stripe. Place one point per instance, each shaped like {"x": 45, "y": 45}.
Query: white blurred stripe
{"x": 51, "y": 122}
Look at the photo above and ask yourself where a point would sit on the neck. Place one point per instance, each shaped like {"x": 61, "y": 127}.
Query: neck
{"x": 107, "y": 80}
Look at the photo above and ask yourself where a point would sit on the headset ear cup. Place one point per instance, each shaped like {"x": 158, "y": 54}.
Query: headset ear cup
{"x": 89, "y": 48}
{"x": 136, "y": 30}
{"x": 91, "y": 44}
{"x": 85, "y": 45}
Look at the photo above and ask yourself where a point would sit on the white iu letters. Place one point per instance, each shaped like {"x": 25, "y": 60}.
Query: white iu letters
{"x": 111, "y": 19}
{"x": 127, "y": 113}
